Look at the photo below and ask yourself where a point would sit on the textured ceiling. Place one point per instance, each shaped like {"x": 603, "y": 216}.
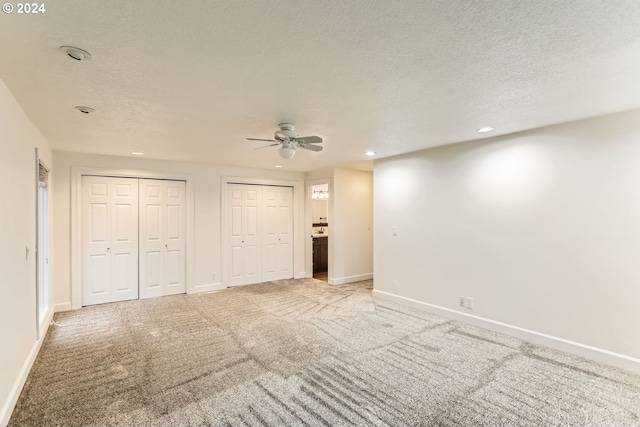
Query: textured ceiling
{"x": 189, "y": 80}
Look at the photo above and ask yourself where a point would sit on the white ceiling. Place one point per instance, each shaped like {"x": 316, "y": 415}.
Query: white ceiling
{"x": 189, "y": 80}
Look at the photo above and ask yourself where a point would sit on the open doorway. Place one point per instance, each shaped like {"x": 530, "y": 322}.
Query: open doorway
{"x": 320, "y": 230}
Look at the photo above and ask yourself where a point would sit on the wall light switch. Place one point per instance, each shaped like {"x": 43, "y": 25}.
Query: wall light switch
{"x": 394, "y": 231}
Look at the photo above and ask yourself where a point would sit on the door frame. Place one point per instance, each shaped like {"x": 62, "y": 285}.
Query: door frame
{"x": 76, "y": 222}
{"x": 298, "y": 189}
{"x": 43, "y": 271}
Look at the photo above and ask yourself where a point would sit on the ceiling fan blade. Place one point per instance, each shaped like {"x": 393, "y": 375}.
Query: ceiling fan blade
{"x": 270, "y": 145}
{"x": 258, "y": 139}
{"x": 310, "y": 139}
{"x": 310, "y": 147}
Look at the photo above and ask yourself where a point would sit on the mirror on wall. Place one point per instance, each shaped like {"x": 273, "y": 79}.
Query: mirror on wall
{"x": 320, "y": 204}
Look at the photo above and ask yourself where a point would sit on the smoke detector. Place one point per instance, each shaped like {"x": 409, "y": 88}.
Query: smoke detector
{"x": 85, "y": 110}
{"x": 75, "y": 53}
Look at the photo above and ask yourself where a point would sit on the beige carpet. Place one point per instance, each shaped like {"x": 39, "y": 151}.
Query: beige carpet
{"x": 302, "y": 352}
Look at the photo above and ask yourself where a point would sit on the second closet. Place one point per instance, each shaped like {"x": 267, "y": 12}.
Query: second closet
{"x": 259, "y": 229}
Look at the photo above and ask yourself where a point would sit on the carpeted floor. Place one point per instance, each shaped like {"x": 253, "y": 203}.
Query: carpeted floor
{"x": 302, "y": 352}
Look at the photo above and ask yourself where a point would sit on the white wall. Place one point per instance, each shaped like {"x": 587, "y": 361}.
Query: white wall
{"x": 351, "y": 224}
{"x": 541, "y": 229}
{"x": 206, "y": 181}
{"x": 18, "y": 333}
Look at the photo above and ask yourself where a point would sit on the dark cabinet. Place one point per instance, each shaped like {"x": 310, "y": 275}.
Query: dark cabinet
{"x": 320, "y": 254}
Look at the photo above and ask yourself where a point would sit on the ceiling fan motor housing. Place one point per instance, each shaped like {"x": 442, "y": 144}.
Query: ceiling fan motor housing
{"x": 286, "y": 132}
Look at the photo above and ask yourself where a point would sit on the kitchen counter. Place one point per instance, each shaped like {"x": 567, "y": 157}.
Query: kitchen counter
{"x": 319, "y": 235}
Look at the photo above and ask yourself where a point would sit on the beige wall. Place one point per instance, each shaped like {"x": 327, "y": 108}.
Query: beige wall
{"x": 18, "y": 332}
{"x": 540, "y": 228}
{"x": 206, "y": 182}
{"x": 351, "y": 240}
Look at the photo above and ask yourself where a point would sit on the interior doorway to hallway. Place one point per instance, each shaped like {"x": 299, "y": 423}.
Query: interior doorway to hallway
{"x": 319, "y": 194}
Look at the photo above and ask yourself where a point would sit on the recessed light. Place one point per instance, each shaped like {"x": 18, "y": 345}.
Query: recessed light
{"x": 369, "y": 153}
{"x": 75, "y": 53}
{"x": 486, "y": 129}
{"x": 85, "y": 110}
{"x": 278, "y": 166}
{"x": 137, "y": 153}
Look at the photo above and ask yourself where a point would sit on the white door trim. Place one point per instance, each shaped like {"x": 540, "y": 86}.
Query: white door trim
{"x": 76, "y": 225}
{"x": 298, "y": 212}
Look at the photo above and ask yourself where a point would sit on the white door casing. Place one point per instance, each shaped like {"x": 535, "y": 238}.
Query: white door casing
{"x": 109, "y": 239}
{"x": 162, "y": 238}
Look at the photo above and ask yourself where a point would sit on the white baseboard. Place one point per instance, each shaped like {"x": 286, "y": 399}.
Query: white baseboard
{"x": 10, "y": 403}
{"x": 207, "y": 288}
{"x": 350, "y": 279}
{"x": 618, "y": 360}
{"x": 65, "y": 306}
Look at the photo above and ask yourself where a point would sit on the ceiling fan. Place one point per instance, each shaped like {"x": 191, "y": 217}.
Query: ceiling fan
{"x": 290, "y": 140}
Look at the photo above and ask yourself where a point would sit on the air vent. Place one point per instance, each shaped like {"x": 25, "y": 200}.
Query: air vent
{"x": 85, "y": 110}
{"x": 75, "y": 53}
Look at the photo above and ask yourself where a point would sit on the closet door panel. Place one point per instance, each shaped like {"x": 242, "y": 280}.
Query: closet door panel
{"x": 270, "y": 225}
{"x": 175, "y": 239}
{"x": 151, "y": 239}
{"x": 96, "y": 243}
{"x": 151, "y": 268}
{"x": 283, "y": 227}
{"x": 162, "y": 238}
{"x": 251, "y": 247}
{"x": 109, "y": 239}
{"x": 124, "y": 239}
{"x": 236, "y": 234}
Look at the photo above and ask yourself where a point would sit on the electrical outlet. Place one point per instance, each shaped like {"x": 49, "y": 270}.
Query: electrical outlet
{"x": 466, "y": 302}
{"x": 213, "y": 276}
{"x": 394, "y": 231}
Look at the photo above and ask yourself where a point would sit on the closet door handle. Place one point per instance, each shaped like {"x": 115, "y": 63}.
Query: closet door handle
{"x": 108, "y": 249}
{"x": 166, "y": 246}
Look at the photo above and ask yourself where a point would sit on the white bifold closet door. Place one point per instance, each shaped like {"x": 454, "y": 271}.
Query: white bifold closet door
{"x": 260, "y": 227}
{"x": 244, "y": 228}
{"x": 277, "y": 230}
{"x": 162, "y": 238}
{"x": 110, "y": 239}
{"x": 133, "y": 238}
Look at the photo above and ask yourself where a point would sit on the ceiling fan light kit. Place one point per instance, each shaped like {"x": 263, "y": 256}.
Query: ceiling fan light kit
{"x": 289, "y": 140}
{"x": 287, "y": 151}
